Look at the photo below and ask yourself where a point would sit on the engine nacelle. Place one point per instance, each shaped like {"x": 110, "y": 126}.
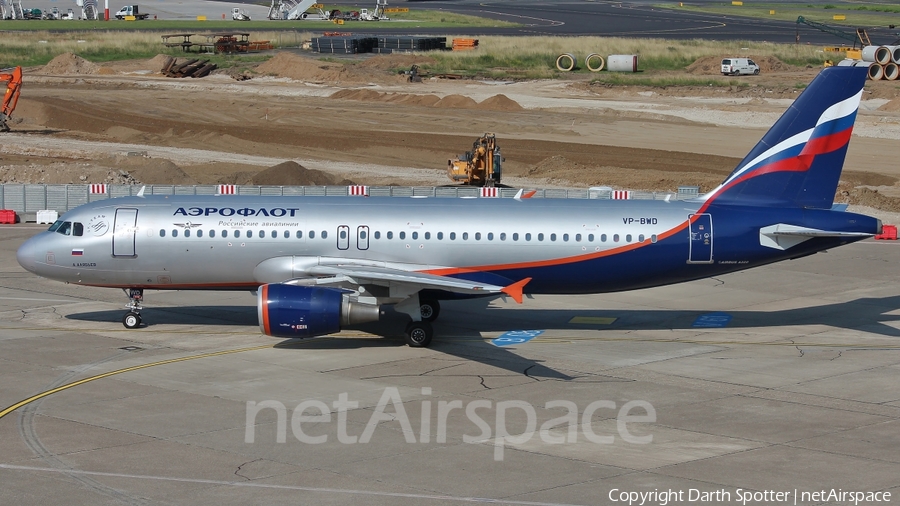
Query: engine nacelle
{"x": 305, "y": 311}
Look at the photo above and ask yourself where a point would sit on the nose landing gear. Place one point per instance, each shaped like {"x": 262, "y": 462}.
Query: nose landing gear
{"x": 132, "y": 318}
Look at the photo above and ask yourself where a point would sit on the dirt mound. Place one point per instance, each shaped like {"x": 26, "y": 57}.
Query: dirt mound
{"x": 402, "y": 98}
{"x": 291, "y": 173}
{"x": 422, "y": 100}
{"x": 302, "y": 68}
{"x": 866, "y": 197}
{"x": 500, "y": 103}
{"x": 357, "y": 95}
{"x": 154, "y": 170}
{"x": 456, "y": 102}
{"x": 713, "y": 65}
{"x": 892, "y": 106}
{"x": 70, "y": 63}
{"x": 558, "y": 168}
{"x": 395, "y": 61}
{"x": 158, "y": 62}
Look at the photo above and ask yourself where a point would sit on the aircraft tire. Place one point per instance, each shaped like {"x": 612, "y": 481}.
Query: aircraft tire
{"x": 430, "y": 310}
{"x": 418, "y": 334}
{"x": 131, "y": 320}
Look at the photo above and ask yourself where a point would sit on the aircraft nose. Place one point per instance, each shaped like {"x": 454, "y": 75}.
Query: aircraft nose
{"x": 25, "y": 255}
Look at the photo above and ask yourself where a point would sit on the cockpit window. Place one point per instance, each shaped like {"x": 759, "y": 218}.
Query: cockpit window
{"x": 55, "y": 226}
{"x": 77, "y": 229}
{"x": 65, "y": 228}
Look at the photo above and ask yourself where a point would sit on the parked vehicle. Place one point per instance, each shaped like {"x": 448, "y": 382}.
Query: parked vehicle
{"x": 132, "y": 11}
{"x": 738, "y": 66}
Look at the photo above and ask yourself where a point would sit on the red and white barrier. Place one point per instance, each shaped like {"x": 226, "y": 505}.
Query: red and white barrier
{"x": 621, "y": 194}
{"x": 227, "y": 189}
{"x": 490, "y": 192}
{"x": 358, "y": 190}
{"x": 98, "y": 188}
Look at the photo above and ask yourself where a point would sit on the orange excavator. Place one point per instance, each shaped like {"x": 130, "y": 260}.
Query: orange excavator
{"x": 479, "y": 167}
{"x": 13, "y": 79}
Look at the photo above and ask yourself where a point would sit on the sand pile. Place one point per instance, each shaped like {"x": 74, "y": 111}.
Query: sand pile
{"x": 495, "y": 103}
{"x": 456, "y": 102}
{"x": 291, "y": 173}
{"x": 303, "y": 69}
{"x": 500, "y": 103}
{"x": 70, "y": 63}
{"x": 713, "y": 65}
{"x": 154, "y": 170}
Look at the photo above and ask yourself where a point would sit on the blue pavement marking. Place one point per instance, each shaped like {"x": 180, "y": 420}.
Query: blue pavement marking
{"x": 712, "y": 320}
{"x": 514, "y": 337}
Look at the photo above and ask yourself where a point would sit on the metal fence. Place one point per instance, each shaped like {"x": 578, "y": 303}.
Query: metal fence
{"x": 27, "y": 199}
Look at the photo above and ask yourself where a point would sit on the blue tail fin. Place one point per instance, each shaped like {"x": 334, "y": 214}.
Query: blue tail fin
{"x": 799, "y": 160}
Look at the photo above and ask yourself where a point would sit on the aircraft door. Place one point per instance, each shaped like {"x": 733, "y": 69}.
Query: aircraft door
{"x": 343, "y": 237}
{"x": 701, "y": 239}
{"x": 123, "y": 233}
{"x": 362, "y": 237}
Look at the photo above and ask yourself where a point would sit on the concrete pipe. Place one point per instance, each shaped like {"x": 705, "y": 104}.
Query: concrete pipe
{"x": 877, "y": 54}
{"x": 594, "y": 62}
{"x": 850, "y": 62}
{"x": 566, "y": 62}
{"x": 876, "y": 72}
{"x": 622, "y": 63}
{"x": 895, "y": 54}
{"x": 891, "y": 71}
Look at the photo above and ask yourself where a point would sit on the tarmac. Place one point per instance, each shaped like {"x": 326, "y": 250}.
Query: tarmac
{"x": 779, "y": 382}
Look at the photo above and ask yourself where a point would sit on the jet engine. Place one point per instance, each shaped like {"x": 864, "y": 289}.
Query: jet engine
{"x": 302, "y": 311}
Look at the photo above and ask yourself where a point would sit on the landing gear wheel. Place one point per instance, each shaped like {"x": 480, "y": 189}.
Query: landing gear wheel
{"x": 430, "y": 310}
{"x": 131, "y": 320}
{"x": 418, "y": 334}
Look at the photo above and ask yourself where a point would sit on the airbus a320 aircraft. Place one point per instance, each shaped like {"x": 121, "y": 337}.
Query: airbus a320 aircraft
{"x": 321, "y": 263}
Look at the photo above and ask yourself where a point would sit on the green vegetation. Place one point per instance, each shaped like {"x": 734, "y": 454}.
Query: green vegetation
{"x": 867, "y": 14}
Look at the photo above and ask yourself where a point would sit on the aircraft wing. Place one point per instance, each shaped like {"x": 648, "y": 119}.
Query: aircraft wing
{"x": 403, "y": 283}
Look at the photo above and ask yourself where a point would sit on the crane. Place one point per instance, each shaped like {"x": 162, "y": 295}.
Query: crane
{"x": 860, "y": 37}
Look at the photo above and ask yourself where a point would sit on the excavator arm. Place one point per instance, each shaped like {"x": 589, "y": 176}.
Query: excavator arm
{"x": 13, "y": 82}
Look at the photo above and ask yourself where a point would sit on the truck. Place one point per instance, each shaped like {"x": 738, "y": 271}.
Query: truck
{"x": 479, "y": 167}
{"x": 238, "y": 14}
{"x": 131, "y": 11}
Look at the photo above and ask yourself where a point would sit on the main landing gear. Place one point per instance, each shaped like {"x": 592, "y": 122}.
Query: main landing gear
{"x": 132, "y": 318}
{"x": 419, "y": 334}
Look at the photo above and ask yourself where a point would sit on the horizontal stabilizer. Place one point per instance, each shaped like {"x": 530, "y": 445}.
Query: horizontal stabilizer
{"x": 783, "y": 236}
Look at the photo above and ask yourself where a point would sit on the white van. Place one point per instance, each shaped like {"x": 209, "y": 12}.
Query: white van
{"x": 738, "y": 66}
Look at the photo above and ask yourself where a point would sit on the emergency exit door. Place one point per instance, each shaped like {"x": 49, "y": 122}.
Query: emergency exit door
{"x": 701, "y": 239}
{"x": 124, "y": 229}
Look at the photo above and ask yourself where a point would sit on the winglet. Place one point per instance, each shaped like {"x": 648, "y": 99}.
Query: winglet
{"x": 515, "y": 290}
{"x": 522, "y": 194}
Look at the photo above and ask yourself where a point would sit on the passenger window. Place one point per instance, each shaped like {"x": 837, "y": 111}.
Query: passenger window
{"x": 515, "y": 237}
{"x": 299, "y": 234}
{"x": 199, "y": 233}
{"x": 312, "y": 234}
{"x": 566, "y": 237}
{"x": 465, "y": 236}
{"x": 415, "y": 235}
{"x": 224, "y": 234}
{"x": 602, "y": 237}
{"x": 287, "y": 234}
{"x": 378, "y": 235}
{"x": 402, "y": 235}
{"x": 440, "y": 235}
{"x": 187, "y": 233}
{"x": 427, "y": 235}
{"x": 615, "y": 237}
{"x": 590, "y": 237}
{"x": 528, "y": 237}
{"x": 212, "y": 233}
{"x": 452, "y": 236}
{"x": 162, "y": 233}
{"x": 362, "y": 234}
{"x": 237, "y": 234}
{"x": 324, "y": 235}
{"x": 174, "y": 233}
{"x": 77, "y": 229}
{"x": 653, "y": 238}
{"x": 490, "y": 236}
{"x": 249, "y": 234}
{"x": 477, "y": 236}
{"x": 390, "y": 235}
{"x": 641, "y": 238}
{"x": 541, "y": 237}
{"x": 552, "y": 237}
{"x": 628, "y": 238}
{"x": 343, "y": 234}
{"x": 578, "y": 237}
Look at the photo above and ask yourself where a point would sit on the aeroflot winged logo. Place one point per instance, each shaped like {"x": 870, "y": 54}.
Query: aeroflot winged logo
{"x": 796, "y": 153}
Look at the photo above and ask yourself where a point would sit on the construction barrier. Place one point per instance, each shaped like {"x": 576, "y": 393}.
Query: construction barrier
{"x": 566, "y": 62}
{"x": 464, "y": 44}
{"x": 622, "y": 63}
{"x": 7, "y": 217}
{"x": 594, "y": 62}
{"x": 47, "y": 216}
{"x": 888, "y": 233}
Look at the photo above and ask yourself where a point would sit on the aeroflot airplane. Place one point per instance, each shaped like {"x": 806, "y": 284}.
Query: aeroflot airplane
{"x": 321, "y": 263}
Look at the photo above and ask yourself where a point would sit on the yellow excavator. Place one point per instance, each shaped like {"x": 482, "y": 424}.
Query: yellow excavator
{"x": 479, "y": 167}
